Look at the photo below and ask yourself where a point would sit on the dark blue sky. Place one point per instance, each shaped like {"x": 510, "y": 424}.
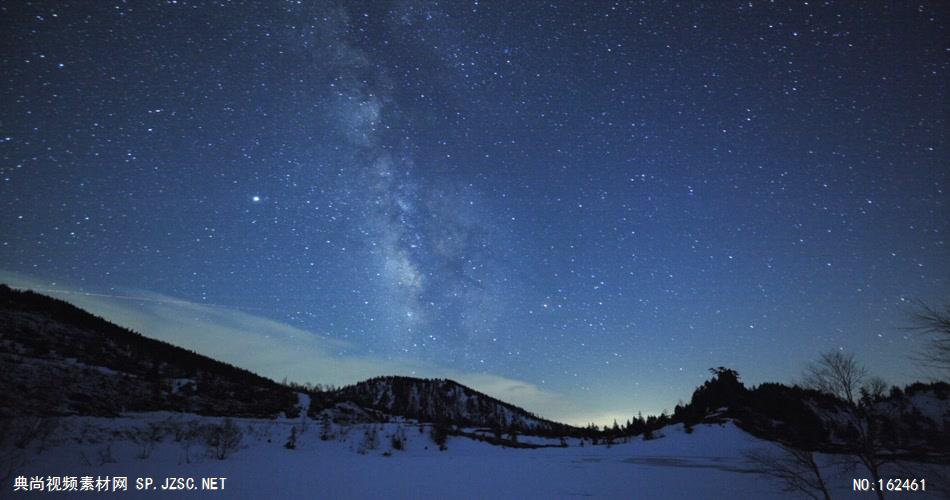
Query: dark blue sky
{"x": 596, "y": 200}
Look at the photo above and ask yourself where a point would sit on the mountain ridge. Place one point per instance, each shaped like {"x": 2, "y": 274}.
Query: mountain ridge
{"x": 439, "y": 400}
{"x": 65, "y": 359}
{"x": 57, "y": 359}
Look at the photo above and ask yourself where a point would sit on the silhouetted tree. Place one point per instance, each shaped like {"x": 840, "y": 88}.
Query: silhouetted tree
{"x": 836, "y": 373}
{"x": 797, "y": 469}
{"x": 723, "y": 390}
{"x": 841, "y": 375}
{"x": 936, "y": 325}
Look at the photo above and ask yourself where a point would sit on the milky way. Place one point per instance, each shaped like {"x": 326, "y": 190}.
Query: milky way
{"x": 601, "y": 200}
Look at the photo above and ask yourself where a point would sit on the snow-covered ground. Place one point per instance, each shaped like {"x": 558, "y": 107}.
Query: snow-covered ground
{"x": 707, "y": 463}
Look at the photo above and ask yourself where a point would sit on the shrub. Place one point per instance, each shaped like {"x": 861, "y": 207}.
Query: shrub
{"x": 105, "y": 455}
{"x": 147, "y": 438}
{"x": 399, "y": 439}
{"x": 370, "y": 440}
{"x": 292, "y": 439}
{"x": 326, "y": 432}
{"x": 440, "y": 435}
{"x": 224, "y": 439}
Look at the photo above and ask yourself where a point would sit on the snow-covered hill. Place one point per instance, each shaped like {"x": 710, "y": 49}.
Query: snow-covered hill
{"x": 82, "y": 398}
{"x": 439, "y": 401}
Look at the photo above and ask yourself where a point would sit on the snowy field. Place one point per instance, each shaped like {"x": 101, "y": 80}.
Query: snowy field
{"x": 352, "y": 463}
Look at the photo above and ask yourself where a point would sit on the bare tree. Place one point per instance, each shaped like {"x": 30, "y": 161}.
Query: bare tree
{"x": 936, "y": 325}
{"x": 875, "y": 389}
{"x": 797, "y": 469}
{"x": 836, "y": 373}
{"x": 839, "y": 374}
{"x": 186, "y": 434}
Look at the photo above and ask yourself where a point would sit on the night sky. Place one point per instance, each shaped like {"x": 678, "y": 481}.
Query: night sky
{"x": 588, "y": 203}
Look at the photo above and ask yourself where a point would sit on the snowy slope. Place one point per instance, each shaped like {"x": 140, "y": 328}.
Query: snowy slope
{"x": 707, "y": 463}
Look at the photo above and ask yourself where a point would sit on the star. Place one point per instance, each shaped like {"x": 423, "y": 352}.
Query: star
{"x": 465, "y": 184}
